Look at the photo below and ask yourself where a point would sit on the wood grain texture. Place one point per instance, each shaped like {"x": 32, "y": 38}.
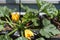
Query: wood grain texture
{"x": 10, "y": 1}
{"x": 34, "y": 1}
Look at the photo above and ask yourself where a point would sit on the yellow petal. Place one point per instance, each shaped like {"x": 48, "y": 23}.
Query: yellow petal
{"x": 15, "y": 16}
{"x": 28, "y": 33}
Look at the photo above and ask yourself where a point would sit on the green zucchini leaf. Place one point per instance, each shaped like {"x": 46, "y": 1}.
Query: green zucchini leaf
{"x": 40, "y": 38}
{"x": 48, "y": 8}
{"x": 1, "y": 27}
{"x": 49, "y": 29}
{"x": 4, "y": 37}
{"x": 21, "y": 38}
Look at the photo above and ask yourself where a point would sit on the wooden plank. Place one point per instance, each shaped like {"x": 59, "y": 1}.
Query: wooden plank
{"x": 2, "y": 1}
{"x": 34, "y": 1}
{"x": 9, "y": 1}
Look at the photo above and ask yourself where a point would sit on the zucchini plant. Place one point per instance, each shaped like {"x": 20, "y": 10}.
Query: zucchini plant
{"x": 48, "y": 8}
{"x": 29, "y": 26}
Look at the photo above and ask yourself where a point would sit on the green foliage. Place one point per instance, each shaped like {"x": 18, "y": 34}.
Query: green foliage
{"x": 1, "y": 27}
{"x": 21, "y": 38}
{"x": 49, "y": 29}
{"x": 30, "y": 16}
{"x": 5, "y": 11}
{"x": 58, "y": 15}
{"x": 48, "y": 8}
{"x": 29, "y": 9}
{"x": 4, "y": 37}
{"x": 40, "y": 38}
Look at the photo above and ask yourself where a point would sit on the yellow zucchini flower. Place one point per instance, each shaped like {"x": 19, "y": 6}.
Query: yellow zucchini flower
{"x": 28, "y": 34}
{"x": 15, "y": 16}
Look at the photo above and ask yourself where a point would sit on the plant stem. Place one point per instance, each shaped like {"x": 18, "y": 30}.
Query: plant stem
{"x": 12, "y": 32}
{"x": 9, "y": 23}
{"x": 22, "y": 33}
{"x": 9, "y": 18}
